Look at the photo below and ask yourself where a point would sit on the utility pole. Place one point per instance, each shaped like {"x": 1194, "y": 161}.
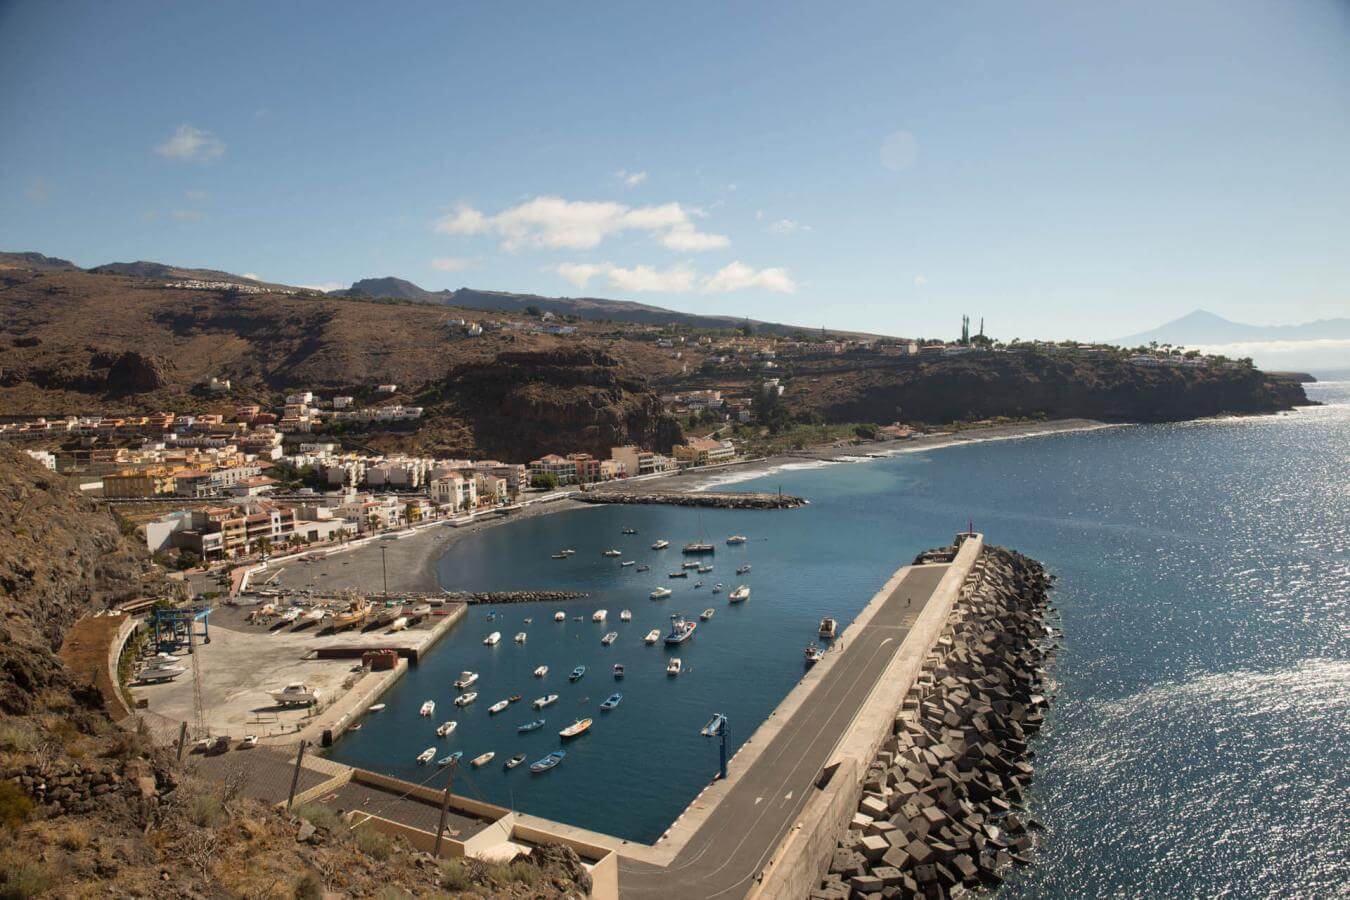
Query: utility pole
{"x": 385, "y": 569}
{"x": 445, "y": 807}
{"x": 722, "y": 733}
{"x": 295, "y": 776}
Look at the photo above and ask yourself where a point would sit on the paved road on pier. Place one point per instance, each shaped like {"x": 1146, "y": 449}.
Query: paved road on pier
{"x": 723, "y": 857}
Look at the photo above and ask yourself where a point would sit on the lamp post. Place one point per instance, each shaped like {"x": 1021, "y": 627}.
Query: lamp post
{"x": 384, "y": 569}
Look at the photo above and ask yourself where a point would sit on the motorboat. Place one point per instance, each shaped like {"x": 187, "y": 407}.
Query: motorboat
{"x": 540, "y": 671}
{"x": 741, "y": 593}
{"x": 531, "y": 726}
{"x": 297, "y": 693}
{"x": 580, "y": 726}
{"x": 548, "y": 762}
{"x": 674, "y": 667}
{"x": 627, "y": 562}
{"x": 697, "y": 585}
{"x": 162, "y": 673}
{"x": 514, "y": 698}
{"x": 447, "y": 760}
{"x": 290, "y": 615}
{"x": 828, "y": 627}
{"x": 446, "y": 728}
{"x": 714, "y": 726}
{"x": 314, "y": 615}
{"x": 689, "y": 565}
{"x": 660, "y": 545}
{"x": 741, "y": 570}
{"x": 249, "y": 741}
{"x": 426, "y": 756}
{"x": 399, "y": 624}
{"x": 498, "y": 706}
{"x": 681, "y": 630}
{"x": 643, "y": 568}
{"x": 482, "y": 759}
{"x": 428, "y": 709}
{"x": 560, "y": 556}
{"x": 660, "y": 593}
{"x": 737, "y": 539}
{"x": 514, "y": 761}
{"x": 570, "y": 552}
{"x": 618, "y": 670}
{"x": 612, "y": 552}
{"x": 653, "y": 636}
{"x": 717, "y": 588}
{"x": 626, "y": 616}
{"x": 529, "y": 621}
{"x": 707, "y": 614}
{"x": 466, "y": 699}
{"x": 609, "y": 638}
{"x": 683, "y": 573}
{"x": 560, "y": 616}
{"x": 156, "y": 662}
{"x": 704, "y": 570}
{"x": 378, "y": 707}
{"x": 698, "y": 547}
{"x": 577, "y": 673}
{"x": 465, "y": 679}
{"x": 630, "y": 531}
{"x": 611, "y": 701}
{"x": 599, "y": 615}
{"x": 813, "y": 654}
{"x": 166, "y": 659}
{"x": 546, "y": 701}
{"x": 492, "y": 639}
{"x": 520, "y": 637}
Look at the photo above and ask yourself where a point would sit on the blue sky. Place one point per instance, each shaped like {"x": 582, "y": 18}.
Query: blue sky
{"x": 1062, "y": 169}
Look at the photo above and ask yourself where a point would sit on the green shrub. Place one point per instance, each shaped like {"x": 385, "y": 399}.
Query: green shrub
{"x": 15, "y": 805}
{"x": 17, "y": 738}
{"x": 374, "y": 843}
{"x": 525, "y": 873}
{"x": 206, "y": 810}
{"x": 309, "y": 887}
{"x": 21, "y": 877}
{"x": 319, "y": 816}
{"x": 455, "y": 875}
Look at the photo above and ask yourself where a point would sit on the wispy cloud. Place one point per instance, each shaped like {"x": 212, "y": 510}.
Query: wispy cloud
{"x": 554, "y": 223}
{"x": 787, "y": 226}
{"x": 631, "y": 179}
{"x": 324, "y": 286}
{"x": 677, "y": 279}
{"x": 452, "y": 263}
{"x": 920, "y": 281}
{"x": 189, "y": 144}
{"x": 252, "y": 276}
{"x": 737, "y": 276}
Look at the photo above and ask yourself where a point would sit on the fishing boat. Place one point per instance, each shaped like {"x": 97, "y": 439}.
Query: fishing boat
{"x": 630, "y": 531}
{"x": 465, "y": 679}
{"x": 741, "y": 570}
{"x": 653, "y": 636}
{"x": 661, "y": 545}
{"x": 446, "y": 728}
{"x": 689, "y": 565}
{"x": 545, "y": 701}
{"x": 492, "y": 639}
{"x": 399, "y": 624}
{"x": 292, "y": 614}
{"x": 683, "y": 573}
{"x": 531, "y": 726}
{"x": 609, "y": 638}
{"x": 697, "y": 585}
{"x": 599, "y": 615}
{"x": 698, "y": 547}
{"x": 314, "y": 615}
{"x": 717, "y": 588}
{"x": 737, "y": 539}
{"x": 466, "y": 699}
{"x": 447, "y": 760}
{"x": 378, "y": 707}
{"x": 660, "y": 593}
{"x": 618, "y": 670}
{"x": 741, "y": 593}
{"x": 813, "y": 654}
{"x": 560, "y": 556}
{"x": 611, "y": 552}
{"x": 482, "y": 759}
{"x": 387, "y": 615}
{"x": 570, "y": 552}
{"x": 707, "y": 614}
{"x": 704, "y": 570}
{"x": 611, "y": 702}
{"x": 681, "y": 629}
{"x": 828, "y": 627}
{"x": 547, "y": 762}
{"x": 297, "y": 693}
{"x": 577, "y": 673}
{"x": 428, "y": 708}
{"x": 514, "y": 761}
{"x": 580, "y": 726}
{"x": 714, "y": 726}
{"x": 520, "y": 637}
{"x": 674, "y": 667}
{"x": 626, "y": 616}
{"x": 627, "y": 562}
{"x": 560, "y": 616}
{"x": 426, "y": 756}
{"x": 529, "y": 621}
{"x": 643, "y": 568}
{"x": 514, "y": 698}
{"x": 498, "y": 706}
{"x": 540, "y": 671}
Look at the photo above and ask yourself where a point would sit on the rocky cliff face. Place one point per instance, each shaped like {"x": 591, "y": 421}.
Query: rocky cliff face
{"x": 1018, "y": 385}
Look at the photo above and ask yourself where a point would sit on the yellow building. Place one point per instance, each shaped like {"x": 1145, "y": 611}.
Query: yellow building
{"x": 133, "y": 483}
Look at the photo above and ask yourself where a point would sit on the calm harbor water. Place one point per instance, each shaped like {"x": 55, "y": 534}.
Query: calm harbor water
{"x": 1199, "y": 745}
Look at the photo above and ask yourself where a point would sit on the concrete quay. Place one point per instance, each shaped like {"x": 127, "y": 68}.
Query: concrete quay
{"x": 719, "y": 500}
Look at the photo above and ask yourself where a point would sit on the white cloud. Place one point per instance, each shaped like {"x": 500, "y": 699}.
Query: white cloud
{"x": 452, "y": 263}
{"x": 675, "y": 279}
{"x": 251, "y": 276}
{"x": 899, "y": 151}
{"x": 920, "y": 281}
{"x": 325, "y": 286}
{"x": 192, "y": 145}
{"x": 737, "y": 276}
{"x": 631, "y": 179}
{"x": 554, "y": 223}
{"x": 787, "y": 226}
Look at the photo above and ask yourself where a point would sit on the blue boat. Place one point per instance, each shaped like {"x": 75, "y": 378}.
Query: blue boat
{"x": 577, "y": 673}
{"x": 531, "y": 726}
{"x": 681, "y": 629}
{"x": 714, "y": 726}
{"x": 612, "y": 702}
{"x": 548, "y": 762}
{"x": 447, "y": 760}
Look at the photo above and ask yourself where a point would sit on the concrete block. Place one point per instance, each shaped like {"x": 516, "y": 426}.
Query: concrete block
{"x": 919, "y": 852}
{"x": 859, "y": 822}
{"x": 866, "y": 884}
{"x": 873, "y": 847}
{"x": 888, "y": 874}
{"x": 874, "y": 807}
{"x": 896, "y": 858}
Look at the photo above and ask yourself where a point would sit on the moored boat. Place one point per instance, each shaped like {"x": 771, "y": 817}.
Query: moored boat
{"x": 520, "y": 637}
{"x": 540, "y": 671}
{"x": 492, "y": 639}
{"x": 611, "y": 701}
{"x": 707, "y": 614}
{"x": 426, "y": 756}
{"x": 599, "y": 615}
{"x": 690, "y": 565}
{"x": 714, "y": 726}
{"x": 660, "y": 593}
{"x": 447, "y": 760}
{"x": 580, "y": 726}
{"x": 482, "y": 759}
{"x": 717, "y": 588}
{"x": 514, "y": 761}
{"x": 741, "y": 593}
{"x": 548, "y": 762}
{"x": 698, "y": 547}
{"x": 611, "y": 552}
{"x": 737, "y": 539}
{"x": 428, "y": 709}
{"x": 626, "y": 616}
{"x": 629, "y": 530}
{"x": 465, "y": 679}
{"x": 560, "y": 616}
{"x": 498, "y": 706}
{"x": 653, "y": 636}
{"x": 674, "y": 667}
{"x": 703, "y": 570}
{"x": 741, "y": 570}
{"x": 609, "y": 638}
{"x": 627, "y": 562}
{"x": 661, "y": 545}
{"x": 618, "y": 670}
{"x": 681, "y": 630}
{"x": 828, "y": 627}
{"x": 643, "y": 568}
{"x": 577, "y": 673}
{"x": 446, "y": 728}
{"x": 813, "y": 654}
{"x": 545, "y": 701}
{"x": 466, "y": 699}
{"x": 683, "y": 573}
{"x": 530, "y": 726}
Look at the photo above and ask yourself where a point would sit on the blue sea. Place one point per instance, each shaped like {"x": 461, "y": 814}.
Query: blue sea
{"x": 1199, "y": 745}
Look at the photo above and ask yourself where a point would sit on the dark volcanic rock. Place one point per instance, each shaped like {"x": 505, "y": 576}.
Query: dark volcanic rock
{"x": 134, "y": 372}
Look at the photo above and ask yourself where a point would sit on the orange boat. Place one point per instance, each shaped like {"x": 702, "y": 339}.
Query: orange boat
{"x": 576, "y": 728}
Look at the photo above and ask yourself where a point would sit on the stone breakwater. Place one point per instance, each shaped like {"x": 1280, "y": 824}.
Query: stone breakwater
{"x": 473, "y": 598}
{"x": 943, "y": 802}
{"x": 698, "y": 498}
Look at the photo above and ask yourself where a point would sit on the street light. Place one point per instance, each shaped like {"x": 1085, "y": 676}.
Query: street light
{"x": 384, "y": 569}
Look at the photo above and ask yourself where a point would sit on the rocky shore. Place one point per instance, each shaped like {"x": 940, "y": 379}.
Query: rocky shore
{"x": 700, "y": 498}
{"x": 943, "y": 802}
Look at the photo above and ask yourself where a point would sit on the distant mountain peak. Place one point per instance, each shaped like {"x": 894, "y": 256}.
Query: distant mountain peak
{"x": 1201, "y": 326}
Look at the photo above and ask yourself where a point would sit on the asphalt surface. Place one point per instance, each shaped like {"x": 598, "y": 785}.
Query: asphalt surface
{"x": 725, "y": 855}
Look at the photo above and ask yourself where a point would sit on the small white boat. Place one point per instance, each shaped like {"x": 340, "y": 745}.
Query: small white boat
{"x": 704, "y": 570}
{"x": 717, "y": 588}
{"x": 498, "y": 706}
{"x": 599, "y": 615}
{"x": 446, "y": 728}
{"x": 626, "y": 616}
{"x": 741, "y": 570}
{"x": 426, "y": 756}
{"x": 378, "y": 707}
{"x": 520, "y": 637}
{"x": 465, "y": 679}
{"x": 611, "y": 553}
{"x": 707, "y": 614}
{"x": 576, "y": 728}
{"x": 428, "y": 709}
{"x": 291, "y": 614}
{"x": 683, "y": 573}
{"x": 560, "y": 616}
{"x": 482, "y": 759}
{"x": 813, "y": 655}
{"x": 466, "y": 699}
{"x": 314, "y": 615}
{"x": 540, "y": 671}
{"x": 737, "y": 539}
{"x": 674, "y": 667}
{"x": 545, "y": 701}
{"x": 529, "y": 621}
{"x": 660, "y": 545}
{"x": 661, "y": 593}
{"x": 828, "y": 627}
{"x": 741, "y": 593}
{"x": 250, "y": 740}
{"x": 399, "y": 624}
{"x": 689, "y": 565}
{"x": 628, "y": 562}
{"x": 609, "y": 638}
{"x": 653, "y": 636}
{"x": 492, "y": 639}
{"x": 297, "y": 693}
{"x": 161, "y": 674}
